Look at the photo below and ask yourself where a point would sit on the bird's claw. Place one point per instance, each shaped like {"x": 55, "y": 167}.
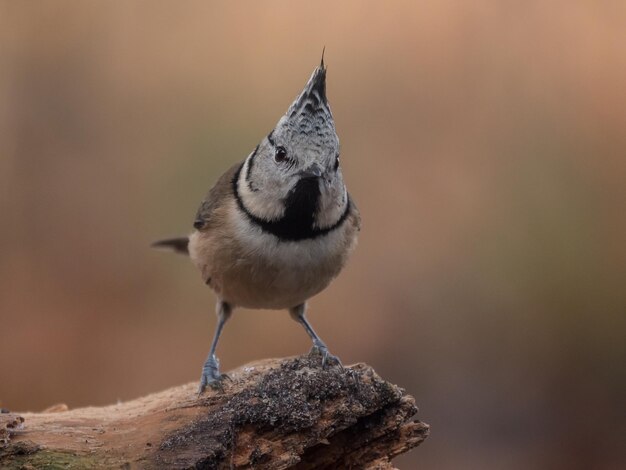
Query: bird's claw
{"x": 216, "y": 382}
{"x": 327, "y": 357}
{"x": 211, "y": 376}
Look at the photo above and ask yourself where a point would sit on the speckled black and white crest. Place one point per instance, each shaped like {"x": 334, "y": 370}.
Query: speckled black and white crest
{"x": 309, "y": 122}
{"x": 310, "y": 113}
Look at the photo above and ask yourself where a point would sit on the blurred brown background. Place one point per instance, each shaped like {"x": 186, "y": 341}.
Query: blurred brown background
{"x": 485, "y": 145}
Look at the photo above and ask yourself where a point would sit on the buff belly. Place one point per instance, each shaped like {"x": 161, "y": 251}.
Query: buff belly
{"x": 256, "y": 270}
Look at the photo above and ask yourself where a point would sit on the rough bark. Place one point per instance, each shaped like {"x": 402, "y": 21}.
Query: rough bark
{"x": 272, "y": 414}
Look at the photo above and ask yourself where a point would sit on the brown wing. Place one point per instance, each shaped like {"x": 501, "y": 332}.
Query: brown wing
{"x": 216, "y": 195}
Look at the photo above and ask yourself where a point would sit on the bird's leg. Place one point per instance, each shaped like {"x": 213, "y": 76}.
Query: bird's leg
{"x": 211, "y": 370}
{"x": 298, "y": 314}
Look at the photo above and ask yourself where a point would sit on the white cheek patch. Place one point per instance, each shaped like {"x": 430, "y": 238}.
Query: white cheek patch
{"x": 259, "y": 203}
{"x": 332, "y": 205}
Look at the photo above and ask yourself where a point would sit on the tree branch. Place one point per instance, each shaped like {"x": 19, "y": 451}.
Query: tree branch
{"x": 272, "y": 414}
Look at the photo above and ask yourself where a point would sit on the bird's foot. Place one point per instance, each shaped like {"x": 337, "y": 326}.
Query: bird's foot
{"x": 211, "y": 376}
{"x": 327, "y": 358}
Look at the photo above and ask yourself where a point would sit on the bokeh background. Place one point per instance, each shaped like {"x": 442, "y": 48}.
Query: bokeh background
{"x": 485, "y": 145}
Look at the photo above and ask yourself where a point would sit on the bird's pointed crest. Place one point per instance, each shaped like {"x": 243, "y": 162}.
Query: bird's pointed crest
{"x": 313, "y": 99}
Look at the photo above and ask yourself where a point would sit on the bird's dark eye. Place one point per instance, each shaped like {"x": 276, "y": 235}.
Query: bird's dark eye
{"x": 281, "y": 154}
{"x": 337, "y": 162}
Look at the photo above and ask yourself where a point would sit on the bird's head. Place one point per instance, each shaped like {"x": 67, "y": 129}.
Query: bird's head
{"x": 294, "y": 171}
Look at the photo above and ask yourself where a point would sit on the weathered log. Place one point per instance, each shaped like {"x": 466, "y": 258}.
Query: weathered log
{"x": 274, "y": 414}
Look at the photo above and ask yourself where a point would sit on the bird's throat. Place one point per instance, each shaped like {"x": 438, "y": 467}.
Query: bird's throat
{"x": 302, "y": 203}
{"x": 298, "y": 220}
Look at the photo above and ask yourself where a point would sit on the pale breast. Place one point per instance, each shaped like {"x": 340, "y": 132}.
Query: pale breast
{"x": 251, "y": 268}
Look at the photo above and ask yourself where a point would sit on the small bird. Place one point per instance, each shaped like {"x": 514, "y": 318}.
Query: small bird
{"x": 277, "y": 228}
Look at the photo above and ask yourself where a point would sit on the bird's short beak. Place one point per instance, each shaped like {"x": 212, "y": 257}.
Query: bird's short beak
{"x": 312, "y": 171}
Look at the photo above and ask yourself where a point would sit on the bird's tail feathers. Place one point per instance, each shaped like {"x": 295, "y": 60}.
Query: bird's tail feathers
{"x": 177, "y": 245}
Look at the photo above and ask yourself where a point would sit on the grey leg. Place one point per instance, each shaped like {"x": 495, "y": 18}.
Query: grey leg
{"x": 211, "y": 369}
{"x": 298, "y": 314}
